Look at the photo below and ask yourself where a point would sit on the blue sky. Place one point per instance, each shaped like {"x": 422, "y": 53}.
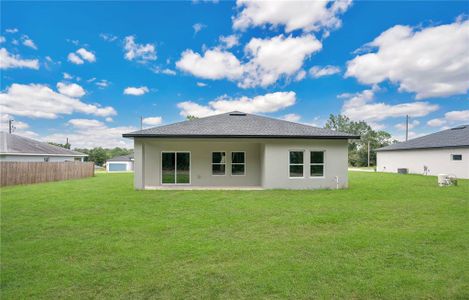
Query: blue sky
{"x": 89, "y": 70}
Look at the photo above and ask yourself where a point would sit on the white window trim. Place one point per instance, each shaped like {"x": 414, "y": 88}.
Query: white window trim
{"x": 212, "y": 163}
{"x": 323, "y": 164}
{"x": 290, "y": 164}
{"x": 231, "y": 163}
{"x": 452, "y": 157}
{"x": 175, "y": 170}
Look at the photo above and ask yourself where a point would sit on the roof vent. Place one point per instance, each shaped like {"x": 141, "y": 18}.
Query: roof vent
{"x": 459, "y": 127}
{"x": 237, "y": 114}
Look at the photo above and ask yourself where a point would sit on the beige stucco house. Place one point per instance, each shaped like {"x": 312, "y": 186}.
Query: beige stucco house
{"x": 238, "y": 150}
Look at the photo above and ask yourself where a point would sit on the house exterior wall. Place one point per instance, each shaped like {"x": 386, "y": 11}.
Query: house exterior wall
{"x": 129, "y": 165}
{"x": 37, "y": 158}
{"x": 266, "y": 162}
{"x": 276, "y": 162}
{"x": 438, "y": 161}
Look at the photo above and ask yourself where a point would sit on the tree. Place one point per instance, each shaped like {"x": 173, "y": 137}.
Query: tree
{"x": 99, "y": 155}
{"x": 191, "y": 117}
{"x": 66, "y": 145}
{"x": 358, "y": 149}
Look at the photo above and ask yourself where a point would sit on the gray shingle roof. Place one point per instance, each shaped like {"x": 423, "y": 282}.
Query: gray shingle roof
{"x": 122, "y": 158}
{"x": 15, "y": 144}
{"x": 240, "y": 125}
{"x": 450, "y": 138}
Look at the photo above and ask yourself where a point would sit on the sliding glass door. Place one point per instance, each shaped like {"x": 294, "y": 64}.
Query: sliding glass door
{"x": 175, "y": 167}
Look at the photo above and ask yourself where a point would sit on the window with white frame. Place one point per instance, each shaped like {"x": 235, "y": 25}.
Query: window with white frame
{"x": 316, "y": 168}
{"x": 238, "y": 163}
{"x": 456, "y": 156}
{"x": 296, "y": 164}
{"x": 218, "y": 163}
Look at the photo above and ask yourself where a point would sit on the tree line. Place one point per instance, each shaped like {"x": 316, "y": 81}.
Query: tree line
{"x": 98, "y": 155}
{"x": 358, "y": 149}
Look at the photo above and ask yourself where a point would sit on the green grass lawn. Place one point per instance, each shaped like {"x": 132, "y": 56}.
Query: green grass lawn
{"x": 388, "y": 236}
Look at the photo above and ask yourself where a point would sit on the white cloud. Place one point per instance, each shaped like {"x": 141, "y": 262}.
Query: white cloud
{"x": 88, "y": 133}
{"x": 300, "y": 75}
{"x": 136, "y": 91}
{"x": 142, "y": 53}
{"x": 40, "y": 101}
{"x": 12, "y": 61}
{"x": 67, "y": 76}
{"x": 412, "y": 124}
{"x": 291, "y": 117}
{"x": 436, "y": 122}
{"x": 85, "y": 123}
{"x": 152, "y": 121}
{"x": 214, "y": 64}
{"x": 198, "y": 27}
{"x": 361, "y": 106}
{"x": 168, "y": 72}
{"x": 267, "y": 103}
{"x": 103, "y": 83}
{"x": 201, "y": 84}
{"x": 72, "y": 90}
{"x": 109, "y": 119}
{"x": 275, "y": 57}
{"x": 229, "y": 41}
{"x": 28, "y": 42}
{"x": 317, "y": 71}
{"x": 11, "y": 30}
{"x": 86, "y": 55}
{"x": 78, "y": 57}
{"x": 75, "y": 42}
{"x": 2, "y": 39}
{"x": 461, "y": 115}
{"x": 305, "y": 15}
{"x": 451, "y": 118}
{"x": 158, "y": 70}
{"x": 73, "y": 58}
{"x": 108, "y": 37}
{"x": 432, "y": 62}
{"x": 268, "y": 60}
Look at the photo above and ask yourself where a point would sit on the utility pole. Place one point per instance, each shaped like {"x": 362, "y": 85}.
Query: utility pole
{"x": 406, "y": 127}
{"x": 141, "y": 123}
{"x": 10, "y": 126}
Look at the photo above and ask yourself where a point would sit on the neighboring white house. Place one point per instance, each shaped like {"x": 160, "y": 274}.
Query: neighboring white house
{"x": 17, "y": 148}
{"x": 240, "y": 150}
{"x": 444, "y": 152}
{"x": 123, "y": 163}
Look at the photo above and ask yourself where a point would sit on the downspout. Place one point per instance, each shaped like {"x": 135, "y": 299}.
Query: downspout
{"x": 143, "y": 166}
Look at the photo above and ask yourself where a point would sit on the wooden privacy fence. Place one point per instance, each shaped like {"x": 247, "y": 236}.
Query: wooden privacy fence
{"x": 12, "y": 173}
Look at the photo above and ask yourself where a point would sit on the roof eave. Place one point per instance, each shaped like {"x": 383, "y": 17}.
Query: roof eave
{"x": 42, "y": 154}
{"x": 131, "y": 135}
{"x": 421, "y": 148}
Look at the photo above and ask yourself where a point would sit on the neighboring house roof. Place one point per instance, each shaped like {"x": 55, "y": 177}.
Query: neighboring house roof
{"x": 129, "y": 157}
{"x": 239, "y": 125}
{"x": 451, "y": 138}
{"x": 13, "y": 144}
